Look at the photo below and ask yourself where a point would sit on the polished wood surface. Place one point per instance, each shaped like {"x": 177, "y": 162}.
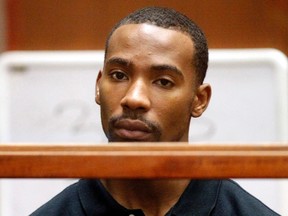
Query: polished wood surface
{"x": 84, "y": 24}
{"x": 126, "y": 160}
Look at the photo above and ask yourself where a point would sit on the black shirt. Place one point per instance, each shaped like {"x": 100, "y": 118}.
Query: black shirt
{"x": 201, "y": 197}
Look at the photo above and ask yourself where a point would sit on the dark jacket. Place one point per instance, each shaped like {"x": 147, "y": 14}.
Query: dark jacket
{"x": 201, "y": 197}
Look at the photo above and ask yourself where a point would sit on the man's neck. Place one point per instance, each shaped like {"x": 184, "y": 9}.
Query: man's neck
{"x": 154, "y": 197}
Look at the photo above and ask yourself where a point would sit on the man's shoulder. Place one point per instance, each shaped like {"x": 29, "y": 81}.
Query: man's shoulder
{"x": 234, "y": 199}
{"x": 65, "y": 203}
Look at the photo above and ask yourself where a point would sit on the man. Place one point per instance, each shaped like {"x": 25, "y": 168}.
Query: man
{"x": 150, "y": 87}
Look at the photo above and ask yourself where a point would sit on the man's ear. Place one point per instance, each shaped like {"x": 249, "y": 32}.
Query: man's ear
{"x": 201, "y": 100}
{"x": 97, "y": 91}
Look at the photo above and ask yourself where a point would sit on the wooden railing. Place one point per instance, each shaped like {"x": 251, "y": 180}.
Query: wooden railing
{"x": 130, "y": 160}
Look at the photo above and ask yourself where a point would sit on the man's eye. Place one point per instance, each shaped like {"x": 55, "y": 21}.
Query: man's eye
{"x": 165, "y": 83}
{"x": 119, "y": 76}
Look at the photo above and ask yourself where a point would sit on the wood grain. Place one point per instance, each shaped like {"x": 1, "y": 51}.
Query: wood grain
{"x": 84, "y": 24}
{"x": 124, "y": 160}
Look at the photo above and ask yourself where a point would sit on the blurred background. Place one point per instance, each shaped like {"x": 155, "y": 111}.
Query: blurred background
{"x": 84, "y": 24}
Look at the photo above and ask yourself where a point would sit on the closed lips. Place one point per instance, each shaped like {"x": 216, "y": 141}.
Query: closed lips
{"x": 132, "y": 125}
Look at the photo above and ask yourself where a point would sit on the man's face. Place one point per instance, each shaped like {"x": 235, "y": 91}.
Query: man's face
{"x": 147, "y": 89}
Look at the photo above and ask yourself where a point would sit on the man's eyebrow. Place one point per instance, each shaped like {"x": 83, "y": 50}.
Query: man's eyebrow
{"x": 166, "y": 67}
{"x": 118, "y": 60}
{"x": 156, "y": 67}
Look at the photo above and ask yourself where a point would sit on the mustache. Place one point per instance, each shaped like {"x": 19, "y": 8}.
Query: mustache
{"x": 153, "y": 126}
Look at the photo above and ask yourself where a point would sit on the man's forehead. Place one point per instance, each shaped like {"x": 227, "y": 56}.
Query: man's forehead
{"x": 145, "y": 33}
{"x": 148, "y": 29}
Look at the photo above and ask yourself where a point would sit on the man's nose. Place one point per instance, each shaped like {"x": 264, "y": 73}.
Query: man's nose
{"x": 137, "y": 97}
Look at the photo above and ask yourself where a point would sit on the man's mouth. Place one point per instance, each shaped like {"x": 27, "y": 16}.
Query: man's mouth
{"x": 129, "y": 129}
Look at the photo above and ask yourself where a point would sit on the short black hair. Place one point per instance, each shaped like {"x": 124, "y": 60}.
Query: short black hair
{"x": 171, "y": 19}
